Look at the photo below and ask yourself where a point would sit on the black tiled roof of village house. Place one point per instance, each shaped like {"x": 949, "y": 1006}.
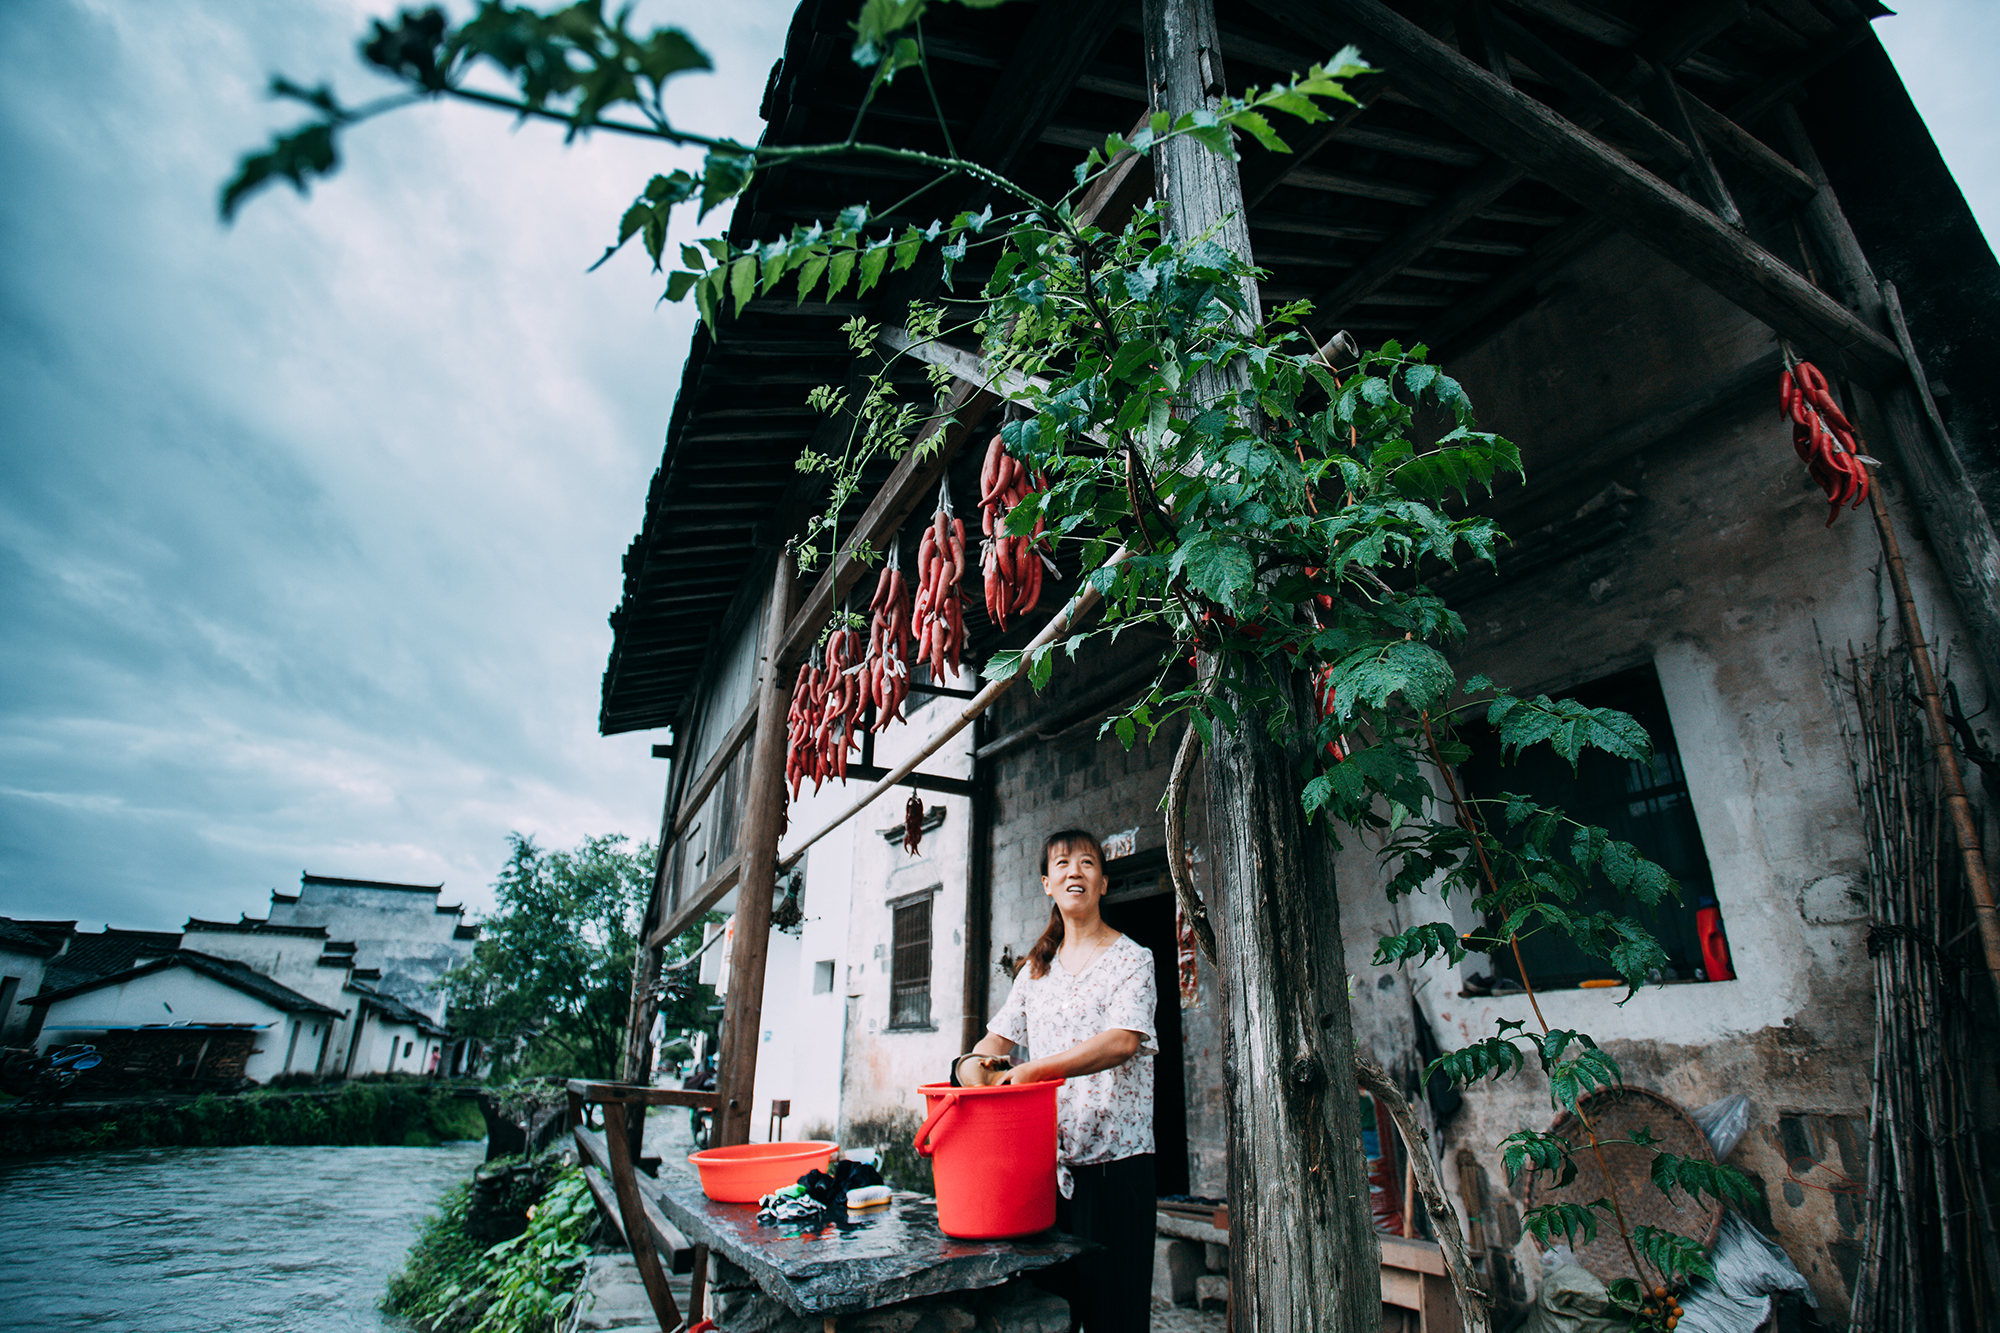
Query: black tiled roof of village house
{"x": 43, "y": 938}
{"x": 101, "y": 954}
{"x": 394, "y": 1009}
{"x": 334, "y": 881}
{"x": 251, "y": 926}
{"x": 225, "y": 970}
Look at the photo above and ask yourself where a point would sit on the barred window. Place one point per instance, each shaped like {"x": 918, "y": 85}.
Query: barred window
{"x": 910, "y": 965}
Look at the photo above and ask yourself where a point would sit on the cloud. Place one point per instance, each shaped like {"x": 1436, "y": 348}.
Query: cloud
{"x": 310, "y": 526}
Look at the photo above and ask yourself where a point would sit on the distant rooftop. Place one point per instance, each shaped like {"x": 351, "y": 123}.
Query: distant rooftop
{"x": 253, "y": 926}
{"x": 308, "y": 877}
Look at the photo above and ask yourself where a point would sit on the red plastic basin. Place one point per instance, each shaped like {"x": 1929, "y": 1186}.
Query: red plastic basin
{"x": 749, "y": 1171}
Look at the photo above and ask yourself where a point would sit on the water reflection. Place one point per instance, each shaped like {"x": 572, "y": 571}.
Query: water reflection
{"x": 177, "y": 1240}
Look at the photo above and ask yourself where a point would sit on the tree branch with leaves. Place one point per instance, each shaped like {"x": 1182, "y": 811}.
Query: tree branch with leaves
{"x": 1285, "y": 530}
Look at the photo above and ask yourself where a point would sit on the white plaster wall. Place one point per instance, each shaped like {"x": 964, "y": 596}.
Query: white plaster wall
{"x": 193, "y": 998}
{"x": 884, "y": 1066}
{"x": 399, "y": 931}
{"x": 29, "y": 968}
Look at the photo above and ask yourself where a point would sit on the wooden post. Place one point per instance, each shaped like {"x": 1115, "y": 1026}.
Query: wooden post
{"x": 1961, "y": 532}
{"x": 632, "y": 1213}
{"x": 743, "y": 1015}
{"x": 978, "y": 896}
{"x": 1303, "y": 1254}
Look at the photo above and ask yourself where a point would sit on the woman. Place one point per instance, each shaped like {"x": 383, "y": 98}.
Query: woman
{"x": 1082, "y": 1003}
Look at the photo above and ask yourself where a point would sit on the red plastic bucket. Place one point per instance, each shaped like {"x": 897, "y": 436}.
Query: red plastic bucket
{"x": 993, "y": 1155}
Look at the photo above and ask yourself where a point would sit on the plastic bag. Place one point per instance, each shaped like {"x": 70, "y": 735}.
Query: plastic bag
{"x": 1749, "y": 1270}
{"x": 1570, "y": 1300}
{"x": 1724, "y": 1122}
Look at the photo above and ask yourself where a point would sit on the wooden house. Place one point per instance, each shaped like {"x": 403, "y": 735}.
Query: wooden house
{"x": 1606, "y": 218}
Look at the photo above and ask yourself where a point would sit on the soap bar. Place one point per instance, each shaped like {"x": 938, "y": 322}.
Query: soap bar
{"x": 868, "y": 1196}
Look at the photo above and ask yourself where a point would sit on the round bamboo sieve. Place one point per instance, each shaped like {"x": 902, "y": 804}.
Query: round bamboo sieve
{"x": 1615, "y": 1115}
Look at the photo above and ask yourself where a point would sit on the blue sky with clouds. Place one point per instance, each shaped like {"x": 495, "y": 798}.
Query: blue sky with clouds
{"x": 309, "y": 527}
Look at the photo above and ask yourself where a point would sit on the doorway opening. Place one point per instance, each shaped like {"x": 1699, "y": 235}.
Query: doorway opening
{"x": 1140, "y": 903}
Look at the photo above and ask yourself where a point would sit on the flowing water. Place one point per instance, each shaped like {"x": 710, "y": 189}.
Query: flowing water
{"x": 189, "y": 1240}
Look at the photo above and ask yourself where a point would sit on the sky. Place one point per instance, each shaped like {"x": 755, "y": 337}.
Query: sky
{"x": 309, "y": 526}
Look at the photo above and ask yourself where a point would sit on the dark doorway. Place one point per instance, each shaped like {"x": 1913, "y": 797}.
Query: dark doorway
{"x": 1141, "y": 904}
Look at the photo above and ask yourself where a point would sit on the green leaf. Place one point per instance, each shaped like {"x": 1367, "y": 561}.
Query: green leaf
{"x": 743, "y": 281}
{"x": 1220, "y": 570}
{"x": 1568, "y": 727}
{"x": 724, "y": 174}
{"x": 678, "y": 283}
{"x": 872, "y": 265}
{"x": 839, "y": 270}
{"x": 301, "y": 157}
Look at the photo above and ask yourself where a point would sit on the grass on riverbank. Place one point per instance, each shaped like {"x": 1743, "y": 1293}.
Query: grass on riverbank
{"x": 411, "y": 1115}
{"x": 452, "y": 1283}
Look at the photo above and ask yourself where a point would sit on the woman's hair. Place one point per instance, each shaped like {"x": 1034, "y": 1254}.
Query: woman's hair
{"x": 1038, "y": 959}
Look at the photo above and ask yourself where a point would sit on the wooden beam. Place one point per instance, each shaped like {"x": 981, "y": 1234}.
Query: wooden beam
{"x": 764, "y": 800}
{"x": 919, "y": 781}
{"x": 1662, "y": 148}
{"x": 712, "y": 771}
{"x": 1539, "y": 142}
{"x": 703, "y": 900}
{"x": 1671, "y": 107}
{"x": 1725, "y": 135}
{"x": 632, "y": 1213}
{"x": 1423, "y": 233}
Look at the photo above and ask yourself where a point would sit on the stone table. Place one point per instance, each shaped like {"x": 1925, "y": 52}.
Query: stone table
{"x": 871, "y": 1259}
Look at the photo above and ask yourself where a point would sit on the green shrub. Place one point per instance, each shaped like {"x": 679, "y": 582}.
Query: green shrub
{"x": 448, "y": 1284}
{"x": 415, "y": 1114}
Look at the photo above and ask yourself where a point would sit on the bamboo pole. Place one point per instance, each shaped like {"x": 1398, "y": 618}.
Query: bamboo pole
{"x": 1964, "y": 824}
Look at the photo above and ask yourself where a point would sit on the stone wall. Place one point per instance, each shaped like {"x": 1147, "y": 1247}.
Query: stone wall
{"x": 1723, "y": 577}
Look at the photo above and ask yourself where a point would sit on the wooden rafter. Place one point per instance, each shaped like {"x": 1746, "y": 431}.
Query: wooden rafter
{"x": 1538, "y": 142}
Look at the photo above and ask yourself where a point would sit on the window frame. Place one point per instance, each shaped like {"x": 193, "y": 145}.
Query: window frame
{"x": 904, "y": 982}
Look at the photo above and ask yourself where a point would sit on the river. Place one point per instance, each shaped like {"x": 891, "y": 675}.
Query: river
{"x": 190, "y": 1240}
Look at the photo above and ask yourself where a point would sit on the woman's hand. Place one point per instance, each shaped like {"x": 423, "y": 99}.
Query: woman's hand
{"x": 1033, "y": 1071}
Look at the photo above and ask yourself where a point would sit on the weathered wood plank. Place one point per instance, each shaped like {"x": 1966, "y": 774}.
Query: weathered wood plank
{"x": 1303, "y": 1254}
{"x": 717, "y": 765}
{"x": 764, "y": 800}
{"x": 697, "y": 904}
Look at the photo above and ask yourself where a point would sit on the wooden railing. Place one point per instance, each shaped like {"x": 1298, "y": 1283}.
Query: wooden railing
{"x": 624, "y": 1194}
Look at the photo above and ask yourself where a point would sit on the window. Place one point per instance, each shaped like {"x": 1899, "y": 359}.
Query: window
{"x": 1643, "y": 804}
{"x": 910, "y": 964}
{"x": 823, "y": 977}
{"x": 408, "y": 1046}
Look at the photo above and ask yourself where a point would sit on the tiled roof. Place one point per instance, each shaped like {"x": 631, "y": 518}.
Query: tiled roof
{"x": 251, "y": 926}
{"x": 394, "y": 1009}
{"x": 337, "y": 883}
{"x": 101, "y": 955}
{"x": 227, "y": 971}
{"x": 34, "y": 937}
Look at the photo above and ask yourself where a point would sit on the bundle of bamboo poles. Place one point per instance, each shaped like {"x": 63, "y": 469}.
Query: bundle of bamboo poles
{"x": 1930, "y": 1255}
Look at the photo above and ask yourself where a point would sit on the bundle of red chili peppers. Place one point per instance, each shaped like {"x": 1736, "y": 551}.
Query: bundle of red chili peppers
{"x": 1823, "y": 437}
{"x": 824, "y": 723}
{"x": 1012, "y": 566}
{"x": 886, "y": 677}
{"x": 940, "y": 616}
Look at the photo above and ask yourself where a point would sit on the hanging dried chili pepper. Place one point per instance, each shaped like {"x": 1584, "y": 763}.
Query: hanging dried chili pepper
{"x": 1012, "y": 565}
{"x": 1822, "y": 436}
